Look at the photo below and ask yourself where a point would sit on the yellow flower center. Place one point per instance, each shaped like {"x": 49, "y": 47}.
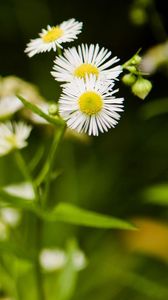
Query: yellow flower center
{"x": 90, "y": 103}
{"x": 53, "y": 34}
{"x": 86, "y": 69}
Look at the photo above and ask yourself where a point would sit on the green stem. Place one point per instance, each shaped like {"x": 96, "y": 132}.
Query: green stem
{"x": 59, "y": 51}
{"x": 25, "y": 171}
{"x": 50, "y": 161}
{"x": 39, "y": 277}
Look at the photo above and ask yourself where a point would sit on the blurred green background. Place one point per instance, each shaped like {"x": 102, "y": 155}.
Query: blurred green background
{"x": 123, "y": 173}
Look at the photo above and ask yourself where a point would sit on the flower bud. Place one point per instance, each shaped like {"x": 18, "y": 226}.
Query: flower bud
{"x": 136, "y": 59}
{"x": 129, "y": 79}
{"x": 53, "y": 109}
{"x": 132, "y": 69}
{"x": 141, "y": 88}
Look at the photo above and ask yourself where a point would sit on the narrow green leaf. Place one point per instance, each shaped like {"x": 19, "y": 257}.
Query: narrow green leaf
{"x": 71, "y": 214}
{"x": 54, "y": 120}
{"x": 9, "y": 247}
{"x": 157, "y": 194}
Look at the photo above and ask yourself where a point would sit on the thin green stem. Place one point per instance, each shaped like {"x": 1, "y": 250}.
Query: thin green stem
{"x": 50, "y": 161}
{"x": 59, "y": 51}
{"x": 25, "y": 171}
{"x": 39, "y": 277}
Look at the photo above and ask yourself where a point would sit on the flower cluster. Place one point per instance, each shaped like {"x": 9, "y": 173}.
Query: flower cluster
{"x": 56, "y": 259}
{"x": 87, "y": 75}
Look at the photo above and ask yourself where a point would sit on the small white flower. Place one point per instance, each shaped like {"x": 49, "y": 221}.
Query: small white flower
{"x": 21, "y": 189}
{"x": 13, "y": 136}
{"x": 8, "y": 106}
{"x": 10, "y": 216}
{"x": 79, "y": 260}
{"x": 52, "y": 259}
{"x": 53, "y": 37}
{"x": 85, "y": 60}
{"x": 88, "y": 105}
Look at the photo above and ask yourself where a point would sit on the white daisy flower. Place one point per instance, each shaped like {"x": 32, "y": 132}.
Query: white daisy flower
{"x": 8, "y": 106}
{"x": 13, "y": 136}
{"x": 53, "y": 37}
{"x": 88, "y": 105}
{"x": 85, "y": 60}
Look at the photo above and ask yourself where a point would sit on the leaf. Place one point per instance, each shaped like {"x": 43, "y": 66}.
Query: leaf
{"x": 54, "y": 120}
{"x": 9, "y": 247}
{"x": 71, "y": 214}
{"x": 157, "y": 194}
{"x": 155, "y": 108}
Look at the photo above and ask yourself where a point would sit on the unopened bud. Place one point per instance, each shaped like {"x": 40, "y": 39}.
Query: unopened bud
{"x": 132, "y": 69}
{"x": 53, "y": 109}
{"x": 136, "y": 59}
{"x": 129, "y": 79}
{"x": 141, "y": 88}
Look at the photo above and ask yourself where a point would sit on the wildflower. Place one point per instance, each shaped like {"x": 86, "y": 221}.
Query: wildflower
{"x": 53, "y": 37}
{"x": 21, "y": 189}
{"x": 79, "y": 260}
{"x": 10, "y": 216}
{"x": 89, "y": 105}
{"x": 85, "y": 60}
{"x": 52, "y": 259}
{"x": 8, "y": 106}
{"x": 56, "y": 259}
{"x": 13, "y": 136}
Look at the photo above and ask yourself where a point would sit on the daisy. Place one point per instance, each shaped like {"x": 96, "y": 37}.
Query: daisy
{"x": 8, "y": 106}
{"x": 53, "y": 37}
{"x": 13, "y": 136}
{"x": 85, "y": 60}
{"x": 88, "y": 105}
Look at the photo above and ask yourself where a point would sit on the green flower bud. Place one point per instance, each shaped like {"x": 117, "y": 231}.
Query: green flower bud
{"x": 136, "y": 59}
{"x": 141, "y": 88}
{"x": 53, "y": 109}
{"x": 132, "y": 69}
{"x": 129, "y": 79}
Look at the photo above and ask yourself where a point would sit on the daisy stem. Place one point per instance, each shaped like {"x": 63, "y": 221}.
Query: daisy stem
{"x": 59, "y": 51}
{"x": 39, "y": 276}
{"x": 50, "y": 160}
{"x": 25, "y": 171}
